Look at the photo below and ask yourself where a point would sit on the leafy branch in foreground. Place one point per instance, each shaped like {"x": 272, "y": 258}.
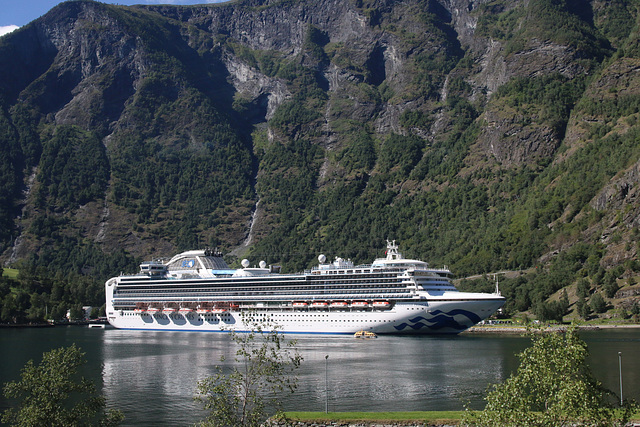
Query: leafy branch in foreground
{"x": 265, "y": 365}
{"x": 51, "y": 394}
{"x": 553, "y": 386}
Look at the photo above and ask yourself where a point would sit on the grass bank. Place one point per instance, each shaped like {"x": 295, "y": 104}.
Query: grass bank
{"x": 11, "y": 273}
{"x": 432, "y": 417}
{"x": 427, "y": 417}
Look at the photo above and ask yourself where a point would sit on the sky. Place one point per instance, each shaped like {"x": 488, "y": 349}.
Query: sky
{"x": 16, "y": 13}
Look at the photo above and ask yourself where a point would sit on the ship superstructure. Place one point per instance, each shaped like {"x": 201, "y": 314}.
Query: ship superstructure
{"x": 197, "y": 291}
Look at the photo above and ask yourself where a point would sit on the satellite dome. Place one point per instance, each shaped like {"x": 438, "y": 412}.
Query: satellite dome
{"x": 322, "y": 258}
{"x": 263, "y": 264}
{"x": 245, "y": 263}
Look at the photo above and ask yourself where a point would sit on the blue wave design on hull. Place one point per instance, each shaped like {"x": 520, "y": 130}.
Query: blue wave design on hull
{"x": 441, "y": 320}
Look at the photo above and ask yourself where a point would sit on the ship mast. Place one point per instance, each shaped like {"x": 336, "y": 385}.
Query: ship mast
{"x": 392, "y": 251}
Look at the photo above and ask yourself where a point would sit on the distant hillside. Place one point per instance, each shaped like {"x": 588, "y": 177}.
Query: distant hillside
{"x": 486, "y": 135}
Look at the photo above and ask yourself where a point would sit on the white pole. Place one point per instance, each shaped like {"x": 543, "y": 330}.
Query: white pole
{"x": 326, "y": 384}
{"x": 620, "y": 367}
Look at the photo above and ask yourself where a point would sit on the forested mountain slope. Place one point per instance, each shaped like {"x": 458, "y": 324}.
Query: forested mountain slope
{"x": 486, "y": 135}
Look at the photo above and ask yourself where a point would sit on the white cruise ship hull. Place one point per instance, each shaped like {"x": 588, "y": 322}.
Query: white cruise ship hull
{"x": 414, "y": 318}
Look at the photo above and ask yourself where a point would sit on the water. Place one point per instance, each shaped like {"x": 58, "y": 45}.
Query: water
{"x": 152, "y": 376}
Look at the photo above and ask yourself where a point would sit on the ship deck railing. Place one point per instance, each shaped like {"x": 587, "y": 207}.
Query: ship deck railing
{"x": 254, "y": 302}
{"x": 312, "y": 298}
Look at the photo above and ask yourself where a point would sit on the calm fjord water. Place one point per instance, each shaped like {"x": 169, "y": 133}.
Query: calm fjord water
{"x": 151, "y": 376}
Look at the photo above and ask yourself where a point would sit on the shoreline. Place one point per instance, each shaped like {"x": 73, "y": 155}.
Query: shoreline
{"x": 26, "y": 325}
{"x": 478, "y": 329}
{"x": 51, "y": 325}
{"x": 501, "y": 329}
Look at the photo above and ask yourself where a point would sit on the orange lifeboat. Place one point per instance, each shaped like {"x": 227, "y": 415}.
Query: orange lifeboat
{"x": 360, "y": 304}
{"x": 300, "y": 304}
{"x": 319, "y": 304}
{"x": 169, "y": 310}
{"x": 140, "y": 308}
{"x": 381, "y": 304}
{"x": 204, "y": 308}
{"x": 339, "y": 304}
{"x": 222, "y": 307}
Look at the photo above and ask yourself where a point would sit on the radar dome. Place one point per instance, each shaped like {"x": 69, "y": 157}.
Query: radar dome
{"x": 245, "y": 263}
{"x": 322, "y": 258}
{"x": 263, "y": 264}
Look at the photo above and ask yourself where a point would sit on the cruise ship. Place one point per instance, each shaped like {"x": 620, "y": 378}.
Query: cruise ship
{"x": 198, "y": 291}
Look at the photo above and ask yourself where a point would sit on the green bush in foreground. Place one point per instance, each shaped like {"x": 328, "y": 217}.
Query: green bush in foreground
{"x": 51, "y": 394}
{"x": 265, "y": 366}
{"x": 553, "y": 386}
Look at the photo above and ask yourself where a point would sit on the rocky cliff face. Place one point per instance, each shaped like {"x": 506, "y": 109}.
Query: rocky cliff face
{"x": 321, "y": 113}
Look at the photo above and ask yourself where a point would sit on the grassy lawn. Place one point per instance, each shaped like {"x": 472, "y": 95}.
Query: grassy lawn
{"x": 436, "y": 417}
{"x": 433, "y": 417}
{"x": 11, "y": 273}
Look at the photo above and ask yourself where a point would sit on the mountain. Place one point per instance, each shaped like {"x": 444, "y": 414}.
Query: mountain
{"x": 488, "y": 135}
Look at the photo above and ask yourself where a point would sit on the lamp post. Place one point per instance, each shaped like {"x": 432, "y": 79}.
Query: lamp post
{"x": 326, "y": 384}
{"x": 620, "y": 368}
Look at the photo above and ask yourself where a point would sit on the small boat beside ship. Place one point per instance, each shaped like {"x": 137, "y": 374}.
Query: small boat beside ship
{"x": 198, "y": 291}
{"x": 365, "y": 335}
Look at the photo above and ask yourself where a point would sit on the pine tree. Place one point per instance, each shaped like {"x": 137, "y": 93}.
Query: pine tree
{"x": 597, "y": 303}
{"x": 584, "y": 311}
